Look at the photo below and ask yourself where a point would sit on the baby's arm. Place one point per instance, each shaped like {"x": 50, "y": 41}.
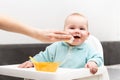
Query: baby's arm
{"x": 26, "y": 64}
{"x": 92, "y": 66}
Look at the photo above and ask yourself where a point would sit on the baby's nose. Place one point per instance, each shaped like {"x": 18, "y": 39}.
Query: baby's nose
{"x": 77, "y": 31}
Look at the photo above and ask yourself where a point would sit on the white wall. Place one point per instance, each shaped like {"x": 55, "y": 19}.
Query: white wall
{"x": 103, "y": 16}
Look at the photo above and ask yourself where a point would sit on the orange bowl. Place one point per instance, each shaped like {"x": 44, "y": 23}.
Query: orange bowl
{"x": 46, "y": 66}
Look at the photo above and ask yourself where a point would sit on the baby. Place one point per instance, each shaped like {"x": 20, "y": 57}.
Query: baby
{"x": 71, "y": 54}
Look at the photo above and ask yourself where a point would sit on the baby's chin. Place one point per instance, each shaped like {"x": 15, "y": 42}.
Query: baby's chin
{"x": 74, "y": 43}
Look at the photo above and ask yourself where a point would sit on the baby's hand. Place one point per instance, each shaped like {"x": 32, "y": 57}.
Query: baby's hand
{"x": 92, "y": 66}
{"x": 27, "y": 64}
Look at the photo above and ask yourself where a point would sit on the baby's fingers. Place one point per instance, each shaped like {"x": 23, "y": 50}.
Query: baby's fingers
{"x": 93, "y": 70}
{"x": 26, "y": 64}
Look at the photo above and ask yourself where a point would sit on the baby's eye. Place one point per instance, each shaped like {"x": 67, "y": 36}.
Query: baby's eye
{"x": 72, "y": 28}
{"x": 82, "y": 28}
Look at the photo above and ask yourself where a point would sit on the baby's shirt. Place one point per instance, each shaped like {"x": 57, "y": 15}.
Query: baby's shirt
{"x": 69, "y": 56}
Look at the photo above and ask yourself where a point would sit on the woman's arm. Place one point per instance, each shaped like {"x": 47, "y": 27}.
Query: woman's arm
{"x": 11, "y": 25}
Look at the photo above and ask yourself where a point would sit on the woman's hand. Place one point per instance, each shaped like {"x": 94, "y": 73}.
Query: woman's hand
{"x": 52, "y": 36}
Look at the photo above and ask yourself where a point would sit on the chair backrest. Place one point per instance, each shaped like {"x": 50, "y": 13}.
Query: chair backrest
{"x": 95, "y": 43}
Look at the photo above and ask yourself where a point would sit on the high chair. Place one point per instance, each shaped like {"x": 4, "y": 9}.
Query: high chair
{"x": 94, "y": 42}
{"x": 84, "y": 74}
{"x": 61, "y": 73}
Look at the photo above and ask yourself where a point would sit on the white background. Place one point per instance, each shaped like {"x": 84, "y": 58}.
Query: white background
{"x": 103, "y": 16}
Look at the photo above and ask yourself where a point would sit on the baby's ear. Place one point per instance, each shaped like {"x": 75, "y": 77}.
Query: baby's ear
{"x": 88, "y": 33}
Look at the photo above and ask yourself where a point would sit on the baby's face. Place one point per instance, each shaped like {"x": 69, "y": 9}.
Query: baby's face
{"x": 77, "y": 27}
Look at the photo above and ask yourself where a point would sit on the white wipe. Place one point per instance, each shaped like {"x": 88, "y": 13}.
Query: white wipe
{"x": 71, "y": 40}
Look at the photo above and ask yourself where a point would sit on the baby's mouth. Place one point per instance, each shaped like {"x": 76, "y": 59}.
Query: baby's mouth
{"x": 77, "y": 37}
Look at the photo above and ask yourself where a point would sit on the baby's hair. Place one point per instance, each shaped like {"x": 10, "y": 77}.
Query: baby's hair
{"x": 76, "y": 14}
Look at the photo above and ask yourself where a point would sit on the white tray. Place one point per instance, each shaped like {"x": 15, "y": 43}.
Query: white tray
{"x": 60, "y": 74}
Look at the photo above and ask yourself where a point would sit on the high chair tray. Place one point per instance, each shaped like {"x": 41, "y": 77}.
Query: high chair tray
{"x": 60, "y": 74}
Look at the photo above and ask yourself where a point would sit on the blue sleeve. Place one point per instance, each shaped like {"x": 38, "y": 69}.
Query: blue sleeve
{"x": 95, "y": 56}
{"x": 47, "y": 55}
